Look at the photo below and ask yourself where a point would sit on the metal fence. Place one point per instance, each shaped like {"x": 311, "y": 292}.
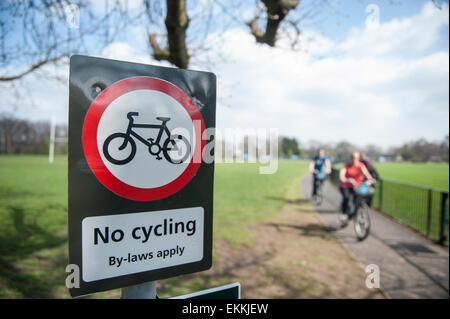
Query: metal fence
{"x": 421, "y": 208}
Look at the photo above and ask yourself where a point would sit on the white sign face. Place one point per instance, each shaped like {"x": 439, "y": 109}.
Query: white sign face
{"x": 133, "y": 138}
{"x": 117, "y": 245}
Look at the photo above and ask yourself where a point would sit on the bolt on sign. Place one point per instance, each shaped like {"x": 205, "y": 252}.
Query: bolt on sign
{"x": 140, "y": 193}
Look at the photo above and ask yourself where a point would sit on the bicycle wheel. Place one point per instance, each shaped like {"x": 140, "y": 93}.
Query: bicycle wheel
{"x": 178, "y": 151}
{"x": 362, "y": 221}
{"x": 121, "y": 139}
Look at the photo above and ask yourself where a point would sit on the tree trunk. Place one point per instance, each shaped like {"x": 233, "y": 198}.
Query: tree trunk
{"x": 177, "y": 22}
{"x": 277, "y": 10}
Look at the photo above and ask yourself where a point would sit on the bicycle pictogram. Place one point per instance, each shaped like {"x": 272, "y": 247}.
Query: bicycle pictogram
{"x": 175, "y": 148}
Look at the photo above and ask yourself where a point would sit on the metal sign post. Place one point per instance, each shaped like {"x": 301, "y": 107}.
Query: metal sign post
{"x": 146, "y": 290}
{"x": 140, "y": 194}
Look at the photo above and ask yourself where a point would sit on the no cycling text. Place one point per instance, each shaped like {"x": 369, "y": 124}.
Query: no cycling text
{"x": 143, "y": 233}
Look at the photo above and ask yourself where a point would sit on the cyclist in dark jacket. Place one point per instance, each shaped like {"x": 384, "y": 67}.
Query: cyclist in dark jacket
{"x": 373, "y": 172}
{"x": 319, "y": 163}
{"x": 369, "y": 166}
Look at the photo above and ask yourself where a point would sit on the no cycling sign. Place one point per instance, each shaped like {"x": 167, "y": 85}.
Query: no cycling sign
{"x": 115, "y": 143}
{"x": 140, "y": 196}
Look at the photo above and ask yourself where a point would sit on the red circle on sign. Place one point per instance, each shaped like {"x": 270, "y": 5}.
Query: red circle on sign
{"x": 90, "y": 146}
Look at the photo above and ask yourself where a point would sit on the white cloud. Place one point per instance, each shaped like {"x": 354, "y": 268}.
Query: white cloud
{"x": 125, "y": 52}
{"x": 384, "y": 99}
{"x": 39, "y": 96}
{"x": 384, "y": 86}
{"x": 412, "y": 34}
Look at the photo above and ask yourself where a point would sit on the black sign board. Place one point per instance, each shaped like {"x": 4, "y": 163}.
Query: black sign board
{"x": 140, "y": 185}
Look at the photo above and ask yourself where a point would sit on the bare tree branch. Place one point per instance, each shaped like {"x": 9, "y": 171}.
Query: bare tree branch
{"x": 172, "y": 34}
{"x": 31, "y": 69}
{"x": 176, "y": 22}
{"x": 276, "y": 10}
{"x": 158, "y": 53}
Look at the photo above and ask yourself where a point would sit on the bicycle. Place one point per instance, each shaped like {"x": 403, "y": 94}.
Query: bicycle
{"x": 358, "y": 209}
{"x": 320, "y": 179}
{"x": 154, "y": 146}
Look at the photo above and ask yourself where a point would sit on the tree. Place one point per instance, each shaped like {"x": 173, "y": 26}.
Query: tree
{"x": 343, "y": 150}
{"x": 422, "y": 150}
{"x": 289, "y": 146}
{"x": 373, "y": 151}
{"x": 276, "y": 13}
{"x": 36, "y": 33}
{"x": 19, "y": 136}
{"x": 177, "y": 22}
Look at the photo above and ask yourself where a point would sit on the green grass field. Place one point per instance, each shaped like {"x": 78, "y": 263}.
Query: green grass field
{"x": 433, "y": 175}
{"x": 33, "y": 217}
{"x": 242, "y": 196}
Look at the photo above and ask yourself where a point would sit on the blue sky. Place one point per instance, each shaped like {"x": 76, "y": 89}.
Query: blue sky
{"x": 353, "y": 14}
{"x": 388, "y": 10}
{"x": 384, "y": 83}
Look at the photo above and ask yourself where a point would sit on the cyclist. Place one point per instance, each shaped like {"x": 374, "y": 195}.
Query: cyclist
{"x": 372, "y": 172}
{"x": 369, "y": 166}
{"x": 319, "y": 164}
{"x": 351, "y": 176}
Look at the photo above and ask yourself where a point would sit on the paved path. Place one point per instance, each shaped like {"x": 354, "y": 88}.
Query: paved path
{"x": 411, "y": 266}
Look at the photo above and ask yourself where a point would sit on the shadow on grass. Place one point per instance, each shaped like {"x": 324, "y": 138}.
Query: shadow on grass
{"x": 9, "y": 192}
{"x": 227, "y": 269}
{"x": 303, "y": 209}
{"x": 318, "y": 210}
{"x": 22, "y": 243}
{"x": 315, "y": 230}
{"x": 297, "y": 201}
{"x": 275, "y": 280}
{"x": 233, "y": 263}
